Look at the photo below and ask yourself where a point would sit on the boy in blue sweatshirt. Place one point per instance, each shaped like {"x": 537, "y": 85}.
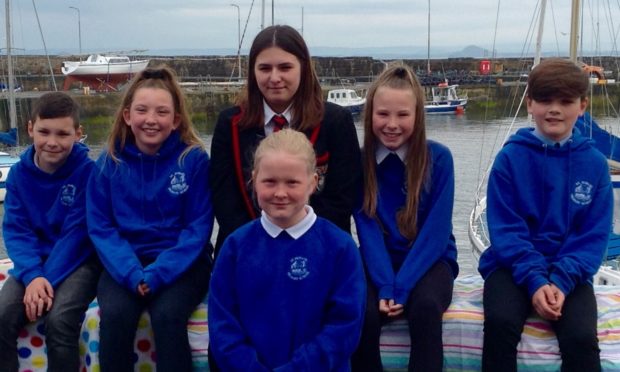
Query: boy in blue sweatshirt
{"x": 549, "y": 205}
{"x": 55, "y": 272}
{"x": 287, "y": 291}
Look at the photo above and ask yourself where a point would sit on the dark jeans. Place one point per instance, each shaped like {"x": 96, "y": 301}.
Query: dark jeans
{"x": 506, "y": 308}
{"x": 169, "y": 309}
{"x": 62, "y": 323}
{"x": 424, "y": 310}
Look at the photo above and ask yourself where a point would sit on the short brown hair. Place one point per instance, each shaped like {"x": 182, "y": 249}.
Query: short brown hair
{"x": 557, "y": 78}
{"x": 56, "y": 105}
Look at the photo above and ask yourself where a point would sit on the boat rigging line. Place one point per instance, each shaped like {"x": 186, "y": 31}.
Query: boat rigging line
{"x": 44, "y": 46}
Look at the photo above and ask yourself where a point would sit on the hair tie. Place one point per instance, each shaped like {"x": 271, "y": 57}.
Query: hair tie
{"x": 400, "y": 72}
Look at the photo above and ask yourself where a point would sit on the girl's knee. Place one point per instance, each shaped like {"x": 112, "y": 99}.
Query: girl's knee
{"x": 427, "y": 308}
{"x": 168, "y": 319}
{"x": 577, "y": 341}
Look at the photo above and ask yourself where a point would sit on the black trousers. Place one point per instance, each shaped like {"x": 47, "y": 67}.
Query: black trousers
{"x": 424, "y": 310}
{"x": 506, "y": 308}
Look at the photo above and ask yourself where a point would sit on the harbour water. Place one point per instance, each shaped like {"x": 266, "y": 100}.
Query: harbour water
{"x": 472, "y": 143}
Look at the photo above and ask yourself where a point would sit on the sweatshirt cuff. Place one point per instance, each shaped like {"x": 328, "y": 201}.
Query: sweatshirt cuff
{"x": 401, "y": 296}
{"x": 535, "y": 284}
{"x": 30, "y": 275}
{"x": 134, "y": 280}
{"x": 386, "y": 292}
{"x": 153, "y": 281}
{"x": 561, "y": 283}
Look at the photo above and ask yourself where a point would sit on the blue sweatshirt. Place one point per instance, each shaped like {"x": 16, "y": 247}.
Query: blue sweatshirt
{"x": 280, "y": 304}
{"x": 549, "y": 212}
{"x": 394, "y": 263}
{"x": 44, "y": 217}
{"x": 150, "y": 217}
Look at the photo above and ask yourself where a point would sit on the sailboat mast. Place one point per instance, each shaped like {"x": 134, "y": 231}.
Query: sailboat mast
{"x": 574, "y": 29}
{"x": 428, "y": 46}
{"x": 541, "y": 26}
{"x": 9, "y": 59}
{"x": 262, "y": 15}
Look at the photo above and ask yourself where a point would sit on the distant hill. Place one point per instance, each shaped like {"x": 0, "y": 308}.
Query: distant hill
{"x": 471, "y": 51}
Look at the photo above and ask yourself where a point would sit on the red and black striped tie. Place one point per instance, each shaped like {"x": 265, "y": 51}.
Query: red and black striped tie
{"x": 279, "y": 122}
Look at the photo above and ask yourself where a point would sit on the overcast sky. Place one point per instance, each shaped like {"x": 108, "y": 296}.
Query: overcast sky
{"x": 111, "y": 25}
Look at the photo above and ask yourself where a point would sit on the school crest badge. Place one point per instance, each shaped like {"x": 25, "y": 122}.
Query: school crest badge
{"x": 299, "y": 268}
{"x": 178, "y": 184}
{"x": 67, "y": 194}
{"x": 582, "y": 194}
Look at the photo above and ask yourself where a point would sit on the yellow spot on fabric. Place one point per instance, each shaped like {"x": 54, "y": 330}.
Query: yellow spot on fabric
{"x": 145, "y": 368}
{"x": 92, "y": 324}
{"x": 39, "y": 361}
{"x": 144, "y": 322}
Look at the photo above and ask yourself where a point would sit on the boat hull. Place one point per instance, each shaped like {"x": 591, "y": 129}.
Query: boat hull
{"x": 6, "y": 161}
{"x": 101, "y": 69}
{"x": 355, "y": 109}
{"x": 445, "y": 108}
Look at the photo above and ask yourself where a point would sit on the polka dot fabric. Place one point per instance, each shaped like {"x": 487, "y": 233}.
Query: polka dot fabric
{"x": 32, "y": 351}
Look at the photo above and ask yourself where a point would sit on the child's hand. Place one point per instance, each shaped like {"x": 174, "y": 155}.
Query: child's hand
{"x": 143, "y": 289}
{"x": 545, "y": 302}
{"x": 559, "y": 298}
{"x": 38, "y": 298}
{"x": 384, "y": 306}
{"x": 389, "y": 308}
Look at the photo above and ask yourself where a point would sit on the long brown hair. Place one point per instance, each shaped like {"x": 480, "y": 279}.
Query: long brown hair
{"x": 308, "y": 100}
{"x": 417, "y": 163}
{"x": 161, "y": 77}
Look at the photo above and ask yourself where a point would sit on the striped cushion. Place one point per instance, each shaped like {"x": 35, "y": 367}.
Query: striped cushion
{"x": 538, "y": 350}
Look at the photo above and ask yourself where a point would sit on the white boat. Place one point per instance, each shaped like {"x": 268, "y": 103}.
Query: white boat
{"x": 347, "y": 98}
{"x": 609, "y": 272}
{"x": 445, "y": 100}
{"x": 444, "y": 97}
{"x": 98, "y": 64}
{"x": 6, "y": 161}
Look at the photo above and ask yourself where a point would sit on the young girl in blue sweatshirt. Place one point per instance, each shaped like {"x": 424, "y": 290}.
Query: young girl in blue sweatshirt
{"x": 287, "y": 292}
{"x": 549, "y": 210}
{"x": 150, "y": 218}
{"x": 55, "y": 269}
{"x": 404, "y": 223}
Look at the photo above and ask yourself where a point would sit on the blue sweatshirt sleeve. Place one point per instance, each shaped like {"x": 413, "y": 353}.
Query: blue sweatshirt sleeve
{"x": 375, "y": 254}
{"x": 228, "y": 341}
{"x": 115, "y": 252}
{"x": 193, "y": 239}
{"x": 344, "y": 315}
{"x": 433, "y": 236}
{"x": 21, "y": 243}
{"x": 584, "y": 248}
{"x": 73, "y": 247}
{"x": 509, "y": 232}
